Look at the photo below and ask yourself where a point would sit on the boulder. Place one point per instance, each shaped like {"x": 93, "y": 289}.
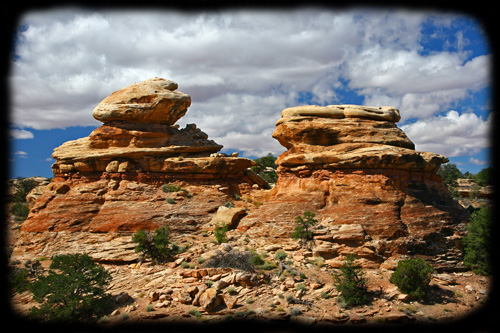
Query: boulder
{"x": 152, "y": 101}
{"x": 348, "y": 232}
{"x": 228, "y": 216}
{"x": 210, "y": 299}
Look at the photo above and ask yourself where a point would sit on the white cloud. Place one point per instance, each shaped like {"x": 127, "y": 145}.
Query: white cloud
{"x": 241, "y": 67}
{"x": 451, "y": 135}
{"x": 250, "y": 144}
{"x": 20, "y": 134}
{"x": 21, "y": 154}
{"x": 418, "y": 85}
{"x": 69, "y": 61}
{"x": 477, "y": 161}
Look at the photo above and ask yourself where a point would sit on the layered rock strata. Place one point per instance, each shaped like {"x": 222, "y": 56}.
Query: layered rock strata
{"x": 114, "y": 182}
{"x": 374, "y": 195}
{"x": 139, "y": 138}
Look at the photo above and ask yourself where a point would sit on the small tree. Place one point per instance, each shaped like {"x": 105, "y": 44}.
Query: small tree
{"x": 450, "y": 173}
{"x": 303, "y": 225}
{"x": 484, "y": 177}
{"x": 412, "y": 276}
{"x": 351, "y": 284}
{"x": 19, "y": 279}
{"x": 20, "y": 211}
{"x": 263, "y": 163}
{"x": 156, "y": 246}
{"x": 220, "y": 233}
{"x": 73, "y": 290}
{"x": 477, "y": 241}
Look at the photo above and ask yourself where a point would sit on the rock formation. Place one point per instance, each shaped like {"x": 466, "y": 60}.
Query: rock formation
{"x": 114, "y": 181}
{"x": 139, "y": 139}
{"x": 373, "y": 194}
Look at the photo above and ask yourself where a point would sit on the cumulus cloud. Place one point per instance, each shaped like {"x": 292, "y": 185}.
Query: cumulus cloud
{"x": 477, "y": 161}
{"x": 21, "y": 134}
{"x": 241, "y": 67}
{"x": 452, "y": 135}
{"x": 419, "y": 85}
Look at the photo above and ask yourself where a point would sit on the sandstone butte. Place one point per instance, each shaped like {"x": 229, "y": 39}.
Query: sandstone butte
{"x": 112, "y": 183}
{"x": 372, "y": 193}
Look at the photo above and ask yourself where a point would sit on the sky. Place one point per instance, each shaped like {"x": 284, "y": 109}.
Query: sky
{"x": 242, "y": 67}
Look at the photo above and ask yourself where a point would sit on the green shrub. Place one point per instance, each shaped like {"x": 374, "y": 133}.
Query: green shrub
{"x": 194, "y": 312}
{"x": 19, "y": 279}
{"x": 220, "y": 233}
{"x": 319, "y": 261}
{"x": 231, "y": 291}
{"x": 280, "y": 255}
{"x": 325, "y": 295}
{"x": 167, "y": 188}
{"x": 256, "y": 260}
{"x": 73, "y": 290}
{"x": 170, "y": 200}
{"x": 157, "y": 246}
{"x": 477, "y": 242}
{"x": 351, "y": 284}
{"x": 303, "y": 225}
{"x": 301, "y": 286}
{"x": 20, "y": 211}
{"x": 412, "y": 277}
{"x": 267, "y": 265}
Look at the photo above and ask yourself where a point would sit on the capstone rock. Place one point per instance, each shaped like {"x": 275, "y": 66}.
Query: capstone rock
{"x": 151, "y": 101}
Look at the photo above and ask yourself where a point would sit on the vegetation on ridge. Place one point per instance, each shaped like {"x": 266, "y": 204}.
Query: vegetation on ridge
{"x": 412, "y": 276}
{"x": 266, "y": 168}
{"x": 477, "y": 242}
{"x": 303, "y": 230}
{"x": 72, "y": 291}
{"x": 156, "y": 246}
{"x": 351, "y": 284}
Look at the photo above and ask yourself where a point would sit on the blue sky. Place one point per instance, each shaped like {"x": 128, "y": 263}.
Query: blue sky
{"x": 243, "y": 67}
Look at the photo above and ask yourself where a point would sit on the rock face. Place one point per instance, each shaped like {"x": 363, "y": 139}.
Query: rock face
{"x": 373, "y": 194}
{"x": 114, "y": 181}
